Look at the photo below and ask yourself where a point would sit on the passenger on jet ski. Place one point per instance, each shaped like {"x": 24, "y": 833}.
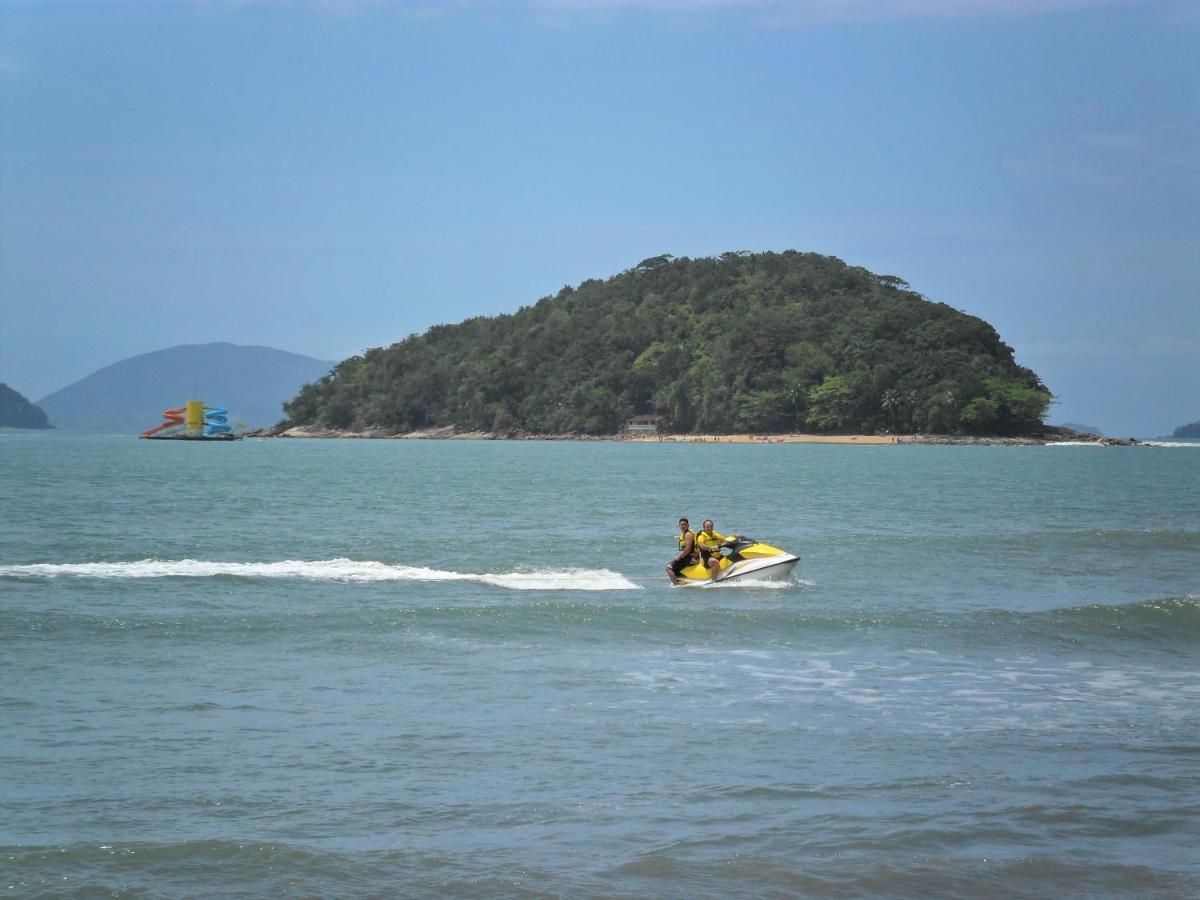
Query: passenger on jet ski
{"x": 710, "y": 543}
{"x": 689, "y": 555}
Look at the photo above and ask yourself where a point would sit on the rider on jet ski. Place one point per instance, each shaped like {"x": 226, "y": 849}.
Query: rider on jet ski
{"x": 688, "y": 554}
{"x": 710, "y": 542}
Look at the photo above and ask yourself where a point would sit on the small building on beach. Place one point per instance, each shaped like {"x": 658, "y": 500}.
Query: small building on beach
{"x": 645, "y": 424}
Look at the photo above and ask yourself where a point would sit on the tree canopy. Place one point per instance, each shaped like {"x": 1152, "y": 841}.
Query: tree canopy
{"x": 745, "y": 342}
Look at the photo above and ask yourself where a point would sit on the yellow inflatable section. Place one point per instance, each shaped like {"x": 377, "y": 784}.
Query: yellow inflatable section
{"x": 195, "y": 417}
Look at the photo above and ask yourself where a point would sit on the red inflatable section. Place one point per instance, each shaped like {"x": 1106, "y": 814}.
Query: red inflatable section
{"x": 173, "y": 417}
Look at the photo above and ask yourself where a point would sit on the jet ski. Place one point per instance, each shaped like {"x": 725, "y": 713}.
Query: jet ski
{"x": 744, "y": 559}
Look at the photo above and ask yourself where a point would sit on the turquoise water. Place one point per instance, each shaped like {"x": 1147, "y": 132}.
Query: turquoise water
{"x": 456, "y": 668}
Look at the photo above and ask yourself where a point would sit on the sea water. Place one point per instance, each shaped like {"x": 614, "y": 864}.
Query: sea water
{"x": 457, "y": 668}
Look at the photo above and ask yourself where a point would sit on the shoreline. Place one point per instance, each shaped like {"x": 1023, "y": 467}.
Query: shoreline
{"x": 1051, "y": 436}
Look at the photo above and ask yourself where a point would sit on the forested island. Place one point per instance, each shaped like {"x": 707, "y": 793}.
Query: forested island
{"x": 17, "y": 412}
{"x": 1191, "y": 431}
{"x": 741, "y": 343}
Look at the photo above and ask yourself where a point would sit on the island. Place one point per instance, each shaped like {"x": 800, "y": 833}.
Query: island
{"x": 1191, "y": 431}
{"x": 740, "y": 344}
{"x": 17, "y": 412}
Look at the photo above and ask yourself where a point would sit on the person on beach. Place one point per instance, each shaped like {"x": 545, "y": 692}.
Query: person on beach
{"x": 688, "y": 554}
{"x": 710, "y": 541}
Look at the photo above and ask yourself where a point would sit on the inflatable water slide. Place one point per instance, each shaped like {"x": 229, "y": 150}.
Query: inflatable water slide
{"x": 193, "y": 422}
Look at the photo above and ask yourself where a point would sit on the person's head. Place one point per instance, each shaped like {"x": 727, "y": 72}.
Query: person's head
{"x": 708, "y": 525}
{"x": 683, "y": 524}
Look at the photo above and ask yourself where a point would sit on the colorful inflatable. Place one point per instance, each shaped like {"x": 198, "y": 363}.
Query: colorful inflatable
{"x": 193, "y": 422}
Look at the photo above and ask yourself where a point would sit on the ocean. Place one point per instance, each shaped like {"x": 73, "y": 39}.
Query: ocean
{"x": 452, "y": 668}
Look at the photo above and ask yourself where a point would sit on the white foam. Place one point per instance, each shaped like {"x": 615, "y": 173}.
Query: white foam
{"x": 1098, "y": 443}
{"x": 781, "y": 584}
{"x": 337, "y": 570}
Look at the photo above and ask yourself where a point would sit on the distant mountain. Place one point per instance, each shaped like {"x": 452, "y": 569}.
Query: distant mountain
{"x": 1083, "y": 429}
{"x": 1191, "y": 430}
{"x": 129, "y": 396}
{"x": 18, "y": 412}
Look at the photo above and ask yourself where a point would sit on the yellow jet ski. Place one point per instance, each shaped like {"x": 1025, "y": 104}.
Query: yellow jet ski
{"x": 745, "y": 559}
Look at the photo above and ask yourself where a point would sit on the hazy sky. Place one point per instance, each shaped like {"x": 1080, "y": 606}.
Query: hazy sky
{"x": 330, "y": 176}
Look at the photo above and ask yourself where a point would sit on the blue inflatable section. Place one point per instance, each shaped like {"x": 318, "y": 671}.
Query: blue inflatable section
{"x": 216, "y": 420}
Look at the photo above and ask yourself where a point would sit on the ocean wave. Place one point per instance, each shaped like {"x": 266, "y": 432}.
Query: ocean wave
{"x": 914, "y": 863}
{"x": 1100, "y": 443}
{"x": 342, "y": 570}
{"x": 850, "y": 859}
{"x": 212, "y": 867}
{"x": 1178, "y": 616}
{"x": 1171, "y": 619}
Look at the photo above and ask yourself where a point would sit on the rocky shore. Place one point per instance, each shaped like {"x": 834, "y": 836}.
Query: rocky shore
{"x": 447, "y": 433}
{"x": 1050, "y": 435}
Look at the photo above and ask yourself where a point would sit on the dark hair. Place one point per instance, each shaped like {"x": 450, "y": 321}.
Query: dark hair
{"x": 684, "y": 519}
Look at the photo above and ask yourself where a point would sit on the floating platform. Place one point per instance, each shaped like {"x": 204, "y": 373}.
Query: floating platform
{"x": 189, "y": 437}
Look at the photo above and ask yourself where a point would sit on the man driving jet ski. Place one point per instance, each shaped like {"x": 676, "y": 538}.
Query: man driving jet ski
{"x": 709, "y": 542}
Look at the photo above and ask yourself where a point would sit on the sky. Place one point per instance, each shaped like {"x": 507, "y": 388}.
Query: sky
{"x": 325, "y": 177}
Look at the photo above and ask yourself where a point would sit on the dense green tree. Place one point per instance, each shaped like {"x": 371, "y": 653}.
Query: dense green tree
{"x": 743, "y": 342}
{"x": 980, "y": 415}
{"x": 831, "y": 405}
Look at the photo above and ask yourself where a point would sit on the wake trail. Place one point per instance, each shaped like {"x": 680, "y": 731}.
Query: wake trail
{"x": 346, "y": 571}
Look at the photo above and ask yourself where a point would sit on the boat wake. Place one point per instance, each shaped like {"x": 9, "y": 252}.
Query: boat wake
{"x": 347, "y": 571}
{"x": 778, "y": 584}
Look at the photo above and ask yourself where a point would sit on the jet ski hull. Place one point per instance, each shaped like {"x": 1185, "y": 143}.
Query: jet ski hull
{"x": 753, "y": 562}
{"x": 775, "y": 568}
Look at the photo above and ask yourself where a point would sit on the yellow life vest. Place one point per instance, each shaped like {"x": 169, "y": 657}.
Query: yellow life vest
{"x": 711, "y": 542}
{"x": 683, "y": 540}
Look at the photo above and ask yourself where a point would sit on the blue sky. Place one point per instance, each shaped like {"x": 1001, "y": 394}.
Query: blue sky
{"x": 330, "y": 176}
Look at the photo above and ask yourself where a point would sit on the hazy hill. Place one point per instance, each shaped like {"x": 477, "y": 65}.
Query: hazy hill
{"x": 17, "y": 412}
{"x": 1191, "y": 430}
{"x": 1082, "y": 429}
{"x": 129, "y": 396}
{"x": 741, "y": 343}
